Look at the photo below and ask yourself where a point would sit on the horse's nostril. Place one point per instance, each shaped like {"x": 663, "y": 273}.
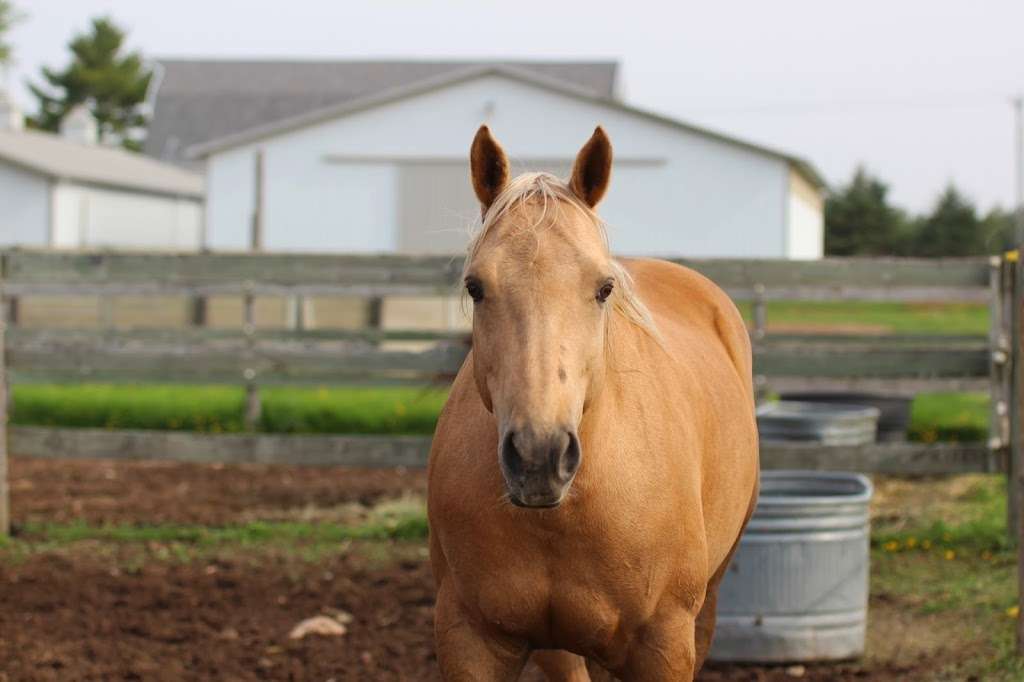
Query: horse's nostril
{"x": 569, "y": 461}
{"x": 510, "y": 455}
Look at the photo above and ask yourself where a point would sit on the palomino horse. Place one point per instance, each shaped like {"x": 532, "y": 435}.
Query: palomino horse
{"x": 597, "y": 459}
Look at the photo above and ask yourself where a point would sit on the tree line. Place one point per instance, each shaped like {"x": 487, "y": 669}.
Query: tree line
{"x": 860, "y": 221}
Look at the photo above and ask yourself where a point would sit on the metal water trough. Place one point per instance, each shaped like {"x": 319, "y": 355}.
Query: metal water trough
{"x": 894, "y": 418}
{"x": 797, "y": 588}
{"x": 827, "y": 424}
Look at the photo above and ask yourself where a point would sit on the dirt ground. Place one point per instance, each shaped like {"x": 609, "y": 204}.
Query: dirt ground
{"x": 108, "y": 491}
{"x": 96, "y": 611}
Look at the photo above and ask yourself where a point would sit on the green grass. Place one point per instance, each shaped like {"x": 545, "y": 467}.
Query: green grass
{"x": 959, "y": 417}
{"x": 882, "y": 317}
{"x": 964, "y": 574}
{"x": 980, "y": 527}
{"x": 366, "y": 410}
{"x": 219, "y": 409}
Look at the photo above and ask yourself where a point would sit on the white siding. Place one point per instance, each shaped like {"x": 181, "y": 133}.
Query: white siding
{"x": 806, "y": 220}
{"x": 332, "y": 186}
{"x": 87, "y": 216}
{"x": 24, "y": 207}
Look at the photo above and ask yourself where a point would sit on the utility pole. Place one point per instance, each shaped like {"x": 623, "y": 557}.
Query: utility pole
{"x": 1018, "y": 108}
{"x": 1017, "y": 447}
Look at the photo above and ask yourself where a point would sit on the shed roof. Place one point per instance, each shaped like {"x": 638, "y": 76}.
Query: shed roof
{"x": 202, "y": 100}
{"x": 55, "y": 157}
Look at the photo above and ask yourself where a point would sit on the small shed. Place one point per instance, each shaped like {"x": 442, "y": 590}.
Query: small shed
{"x": 68, "y": 191}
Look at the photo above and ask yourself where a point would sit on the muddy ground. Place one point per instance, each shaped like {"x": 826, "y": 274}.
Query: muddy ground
{"x": 95, "y": 611}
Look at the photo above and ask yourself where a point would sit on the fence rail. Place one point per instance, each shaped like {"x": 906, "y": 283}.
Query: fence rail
{"x": 254, "y": 356}
{"x": 30, "y": 272}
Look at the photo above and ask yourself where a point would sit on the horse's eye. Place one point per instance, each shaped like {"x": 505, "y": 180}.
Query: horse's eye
{"x": 604, "y": 292}
{"x": 475, "y": 290}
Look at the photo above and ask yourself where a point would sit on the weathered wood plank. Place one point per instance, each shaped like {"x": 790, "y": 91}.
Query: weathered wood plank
{"x": 412, "y": 451}
{"x": 885, "y": 458}
{"x": 199, "y": 335}
{"x": 893, "y": 386}
{"x": 208, "y": 355}
{"x": 52, "y": 272}
{"x": 261, "y": 448}
{"x": 808, "y": 360}
{"x": 83, "y": 356}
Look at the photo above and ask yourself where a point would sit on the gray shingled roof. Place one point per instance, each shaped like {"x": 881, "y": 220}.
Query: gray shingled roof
{"x": 203, "y": 100}
{"x": 53, "y": 156}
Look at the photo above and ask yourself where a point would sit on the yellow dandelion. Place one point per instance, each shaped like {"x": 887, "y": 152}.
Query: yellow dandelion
{"x": 950, "y": 555}
{"x": 911, "y": 542}
{"x": 1013, "y": 612}
{"x": 891, "y": 546}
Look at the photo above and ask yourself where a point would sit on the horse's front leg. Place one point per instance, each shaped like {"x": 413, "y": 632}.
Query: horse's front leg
{"x": 466, "y": 653}
{"x": 665, "y": 650}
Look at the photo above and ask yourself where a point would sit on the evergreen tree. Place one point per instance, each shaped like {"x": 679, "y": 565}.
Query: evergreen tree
{"x": 860, "y": 221}
{"x": 9, "y": 16}
{"x": 952, "y": 229}
{"x": 110, "y": 83}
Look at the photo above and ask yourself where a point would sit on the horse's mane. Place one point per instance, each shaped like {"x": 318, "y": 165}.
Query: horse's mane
{"x": 551, "y": 191}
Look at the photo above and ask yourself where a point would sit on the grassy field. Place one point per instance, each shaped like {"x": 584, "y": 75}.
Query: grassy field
{"x": 368, "y": 410}
{"x": 220, "y": 409}
{"x": 875, "y": 317}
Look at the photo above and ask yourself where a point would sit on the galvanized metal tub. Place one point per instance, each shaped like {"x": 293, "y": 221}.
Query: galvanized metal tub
{"x": 827, "y": 424}
{"x": 894, "y": 417}
{"x": 797, "y": 588}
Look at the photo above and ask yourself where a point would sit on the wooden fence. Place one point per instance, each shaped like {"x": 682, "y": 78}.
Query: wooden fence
{"x": 256, "y": 357}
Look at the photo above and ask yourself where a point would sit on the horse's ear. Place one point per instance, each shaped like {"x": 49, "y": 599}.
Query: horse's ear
{"x": 593, "y": 168}
{"x": 488, "y": 166}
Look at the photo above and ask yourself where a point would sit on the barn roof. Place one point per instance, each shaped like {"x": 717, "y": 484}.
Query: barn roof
{"x": 55, "y": 157}
{"x": 327, "y": 113}
{"x": 198, "y": 101}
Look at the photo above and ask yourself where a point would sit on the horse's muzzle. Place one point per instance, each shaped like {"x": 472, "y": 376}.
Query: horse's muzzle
{"x": 539, "y": 467}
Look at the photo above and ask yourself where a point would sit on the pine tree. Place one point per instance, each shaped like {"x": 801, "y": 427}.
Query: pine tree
{"x": 9, "y": 16}
{"x": 110, "y": 83}
{"x": 952, "y": 229}
{"x": 860, "y": 221}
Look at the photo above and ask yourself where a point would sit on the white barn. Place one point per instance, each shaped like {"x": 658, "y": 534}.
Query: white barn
{"x": 387, "y": 172}
{"x": 66, "y": 191}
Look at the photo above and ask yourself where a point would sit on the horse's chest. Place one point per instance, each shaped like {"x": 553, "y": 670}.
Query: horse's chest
{"x": 557, "y": 606}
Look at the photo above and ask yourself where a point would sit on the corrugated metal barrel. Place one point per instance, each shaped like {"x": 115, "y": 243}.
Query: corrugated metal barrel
{"x": 824, "y": 423}
{"x": 797, "y": 588}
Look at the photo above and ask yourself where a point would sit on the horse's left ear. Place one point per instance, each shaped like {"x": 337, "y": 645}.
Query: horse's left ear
{"x": 593, "y": 168}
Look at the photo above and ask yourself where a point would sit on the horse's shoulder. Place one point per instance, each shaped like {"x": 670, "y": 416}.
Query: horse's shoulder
{"x": 680, "y": 293}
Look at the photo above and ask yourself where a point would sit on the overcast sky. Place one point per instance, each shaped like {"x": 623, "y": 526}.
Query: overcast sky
{"x": 917, "y": 90}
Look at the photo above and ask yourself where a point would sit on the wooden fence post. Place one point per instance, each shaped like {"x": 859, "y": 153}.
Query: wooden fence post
{"x": 1001, "y": 368}
{"x": 1015, "y": 463}
{"x": 760, "y": 312}
{"x": 253, "y": 405}
{"x": 5, "y": 502}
